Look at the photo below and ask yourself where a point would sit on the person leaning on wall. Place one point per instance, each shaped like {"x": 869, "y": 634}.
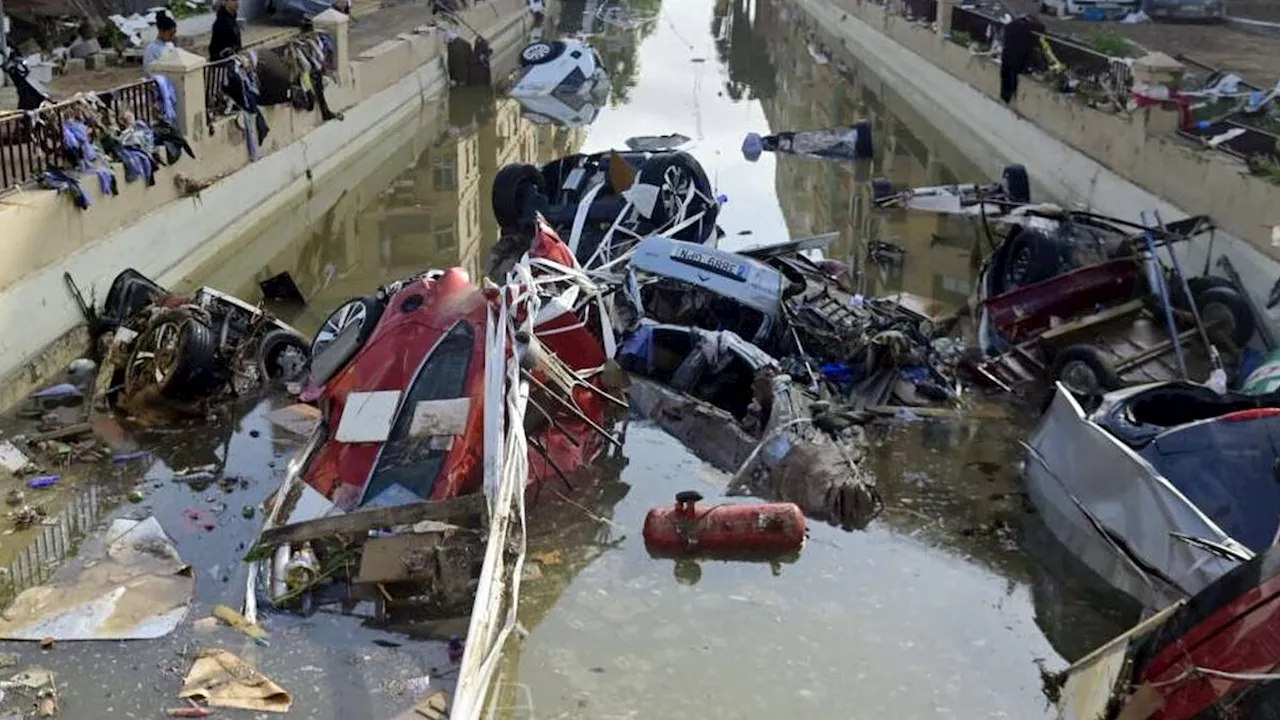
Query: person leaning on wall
{"x": 225, "y": 40}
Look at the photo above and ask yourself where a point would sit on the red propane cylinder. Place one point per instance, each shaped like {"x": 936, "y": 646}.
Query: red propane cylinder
{"x": 726, "y": 531}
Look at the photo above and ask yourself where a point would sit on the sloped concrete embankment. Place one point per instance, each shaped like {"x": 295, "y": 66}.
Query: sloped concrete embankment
{"x": 167, "y": 234}
{"x": 1115, "y": 164}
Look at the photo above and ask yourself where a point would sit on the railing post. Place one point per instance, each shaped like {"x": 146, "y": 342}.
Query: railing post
{"x": 186, "y": 71}
{"x": 944, "y": 17}
{"x": 334, "y": 24}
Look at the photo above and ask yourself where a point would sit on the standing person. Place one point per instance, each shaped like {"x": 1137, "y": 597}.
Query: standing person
{"x": 166, "y": 33}
{"x": 1021, "y": 38}
{"x": 225, "y": 39}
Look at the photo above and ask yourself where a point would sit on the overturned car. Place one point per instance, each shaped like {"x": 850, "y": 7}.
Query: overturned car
{"x": 603, "y": 203}
{"x": 397, "y": 465}
{"x": 185, "y": 348}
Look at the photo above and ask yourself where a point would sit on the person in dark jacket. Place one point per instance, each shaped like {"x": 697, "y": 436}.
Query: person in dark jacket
{"x": 1021, "y": 40}
{"x": 225, "y": 40}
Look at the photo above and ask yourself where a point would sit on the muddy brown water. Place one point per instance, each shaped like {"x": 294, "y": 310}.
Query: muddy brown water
{"x": 945, "y": 607}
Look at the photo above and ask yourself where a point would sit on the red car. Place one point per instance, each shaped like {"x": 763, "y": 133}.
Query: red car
{"x": 402, "y": 394}
{"x": 1212, "y": 657}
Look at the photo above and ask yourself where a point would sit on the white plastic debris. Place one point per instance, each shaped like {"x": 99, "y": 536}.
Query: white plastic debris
{"x": 1134, "y": 18}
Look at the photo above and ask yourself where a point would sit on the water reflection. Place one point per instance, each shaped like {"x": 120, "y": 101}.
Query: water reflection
{"x": 616, "y": 43}
{"x": 393, "y": 222}
{"x": 927, "y": 255}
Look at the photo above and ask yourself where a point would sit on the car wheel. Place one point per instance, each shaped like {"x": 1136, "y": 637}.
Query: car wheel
{"x": 362, "y": 311}
{"x": 175, "y": 355}
{"x": 1228, "y": 313}
{"x": 675, "y": 174}
{"x": 283, "y": 356}
{"x": 541, "y": 53}
{"x": 1016, "y": 184}
{"x": 1032, "y": 256}
{"x": 1085, "y": 371}
{"x": 511, "y": 188}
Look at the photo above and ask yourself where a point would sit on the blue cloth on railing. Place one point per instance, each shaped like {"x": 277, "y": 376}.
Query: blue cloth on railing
{"x": 138, "y": 163}
{"x": 64, "y": 183}
{"x": 78, "y": 143}
{"x": 250, "y": 137}
{"x": 168, "y": 98}
{"x": 106, "y": 180}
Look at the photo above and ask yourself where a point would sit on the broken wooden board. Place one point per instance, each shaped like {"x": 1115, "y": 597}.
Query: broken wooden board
{"x": 468, "y": 512}
{"x": 299, "y": 418}
{"x": 418, "y": 557}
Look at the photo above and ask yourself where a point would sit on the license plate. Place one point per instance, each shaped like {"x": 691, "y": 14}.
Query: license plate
{"x": 706, "y": 261}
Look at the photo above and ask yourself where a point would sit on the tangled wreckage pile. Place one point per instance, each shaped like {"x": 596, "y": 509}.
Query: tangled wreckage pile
{"x": 439, "y": 408}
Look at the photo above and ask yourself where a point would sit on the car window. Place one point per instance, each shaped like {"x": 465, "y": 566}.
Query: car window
{"x": 1228, "y": 469}
{"x": 408, "y": 468}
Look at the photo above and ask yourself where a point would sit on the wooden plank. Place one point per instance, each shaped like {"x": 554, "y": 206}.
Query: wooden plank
{"x": 1065, "y": 330}
{"x": 467, "y": 511}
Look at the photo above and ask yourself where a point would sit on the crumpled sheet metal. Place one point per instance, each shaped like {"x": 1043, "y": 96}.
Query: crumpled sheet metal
{"x": 222, "y": 679}
{"x": 130, "y": 584}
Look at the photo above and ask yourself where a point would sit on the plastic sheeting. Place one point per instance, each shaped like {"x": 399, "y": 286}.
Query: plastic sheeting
{"x": 130, "y": 584}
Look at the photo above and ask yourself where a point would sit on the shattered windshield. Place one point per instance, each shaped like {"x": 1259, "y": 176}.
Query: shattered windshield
{"x": 1227, "y": 468}
{"x": 409, "y": 467}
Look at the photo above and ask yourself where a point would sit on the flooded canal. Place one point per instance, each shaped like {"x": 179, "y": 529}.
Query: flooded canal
{"x": 945, "y": 607}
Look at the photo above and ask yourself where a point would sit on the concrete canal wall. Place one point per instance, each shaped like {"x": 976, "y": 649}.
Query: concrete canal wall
{"x": 165, "y": 233}
{"x": 1116, "y": 164}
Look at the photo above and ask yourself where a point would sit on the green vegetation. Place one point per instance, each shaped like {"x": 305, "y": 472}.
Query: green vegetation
{"x": 1111, "y": 45}
{"x": 184, "y": 9}
{"x": 1266, "y": 166}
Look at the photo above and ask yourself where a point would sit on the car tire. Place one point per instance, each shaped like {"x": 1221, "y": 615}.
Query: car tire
{"x": 1032, "y": 256}
{"x": 687, "y": 170}
{"x": 1225, "y": 305}
{"x": 882, "y": 189}
{"x": 190, "y": 372}
{"x": 365, "y": 310}
{"x": 510, "y": 193}
{"x": 541, "y": 52}
{"x": 1085, "y": 371}
{"x": 863, "y": 148}
{"x": 1016, "y": 184}
{"x": 273, "y": 356}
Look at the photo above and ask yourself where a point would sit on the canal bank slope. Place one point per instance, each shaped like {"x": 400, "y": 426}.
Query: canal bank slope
{"x": 1115, "y": 164}
{"x": 166, "y": 233}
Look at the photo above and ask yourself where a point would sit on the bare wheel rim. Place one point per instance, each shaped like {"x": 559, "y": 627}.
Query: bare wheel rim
{"x": 1080, "y": 378}
{"x": 536, "y": 52}
{"x": 676, "y": 182}
{"x": 288, "y": 362}
{"x": 157, "y": 356}
{"x": 352, "y": 313}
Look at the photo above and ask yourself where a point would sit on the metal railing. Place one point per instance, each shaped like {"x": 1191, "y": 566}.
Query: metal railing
{"x": 217, "y": 102}
{"x": 55, "y": 543}
{"x": 1092, "y": 67}
{"x": 1250, "y": 142}
{"x": 31, "y": 142}
{"x": 978, "y": 27}
{"x": 926, "y": 10}
{"x": 216, "y": 75}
